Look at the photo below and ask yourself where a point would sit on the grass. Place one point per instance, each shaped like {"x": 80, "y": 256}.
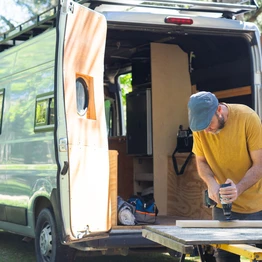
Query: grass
{"x": 13, "y": 249}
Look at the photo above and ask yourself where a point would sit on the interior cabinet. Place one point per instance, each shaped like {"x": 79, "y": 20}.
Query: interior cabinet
{"x": 143, "y": 174}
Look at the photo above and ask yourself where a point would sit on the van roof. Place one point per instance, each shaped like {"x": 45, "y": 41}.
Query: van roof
{"x": 225, "y": 9}
{"x": 47, "y": 19}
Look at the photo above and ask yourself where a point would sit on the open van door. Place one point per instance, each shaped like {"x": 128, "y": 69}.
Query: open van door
{"x": 82, "y": 143}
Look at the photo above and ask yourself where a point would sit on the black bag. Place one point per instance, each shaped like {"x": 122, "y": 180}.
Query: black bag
{"x": 184, "y": 145}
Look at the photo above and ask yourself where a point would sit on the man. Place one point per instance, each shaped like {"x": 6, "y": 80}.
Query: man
{"x": 228, "y": 149}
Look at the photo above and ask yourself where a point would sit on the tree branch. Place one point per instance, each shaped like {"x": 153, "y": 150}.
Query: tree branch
{"x": 7, "y": 22}
{"x": 253, "y": 17}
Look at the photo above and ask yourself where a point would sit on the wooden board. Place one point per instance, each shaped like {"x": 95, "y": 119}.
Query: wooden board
{"x": 113, "y": 187}
{"x": 185, "y": 192}
{"x": 204, "y": 236}
{"x": 219, "y": 224}
{"x": 169, "y": 68}
{"x": 125, "y": 168}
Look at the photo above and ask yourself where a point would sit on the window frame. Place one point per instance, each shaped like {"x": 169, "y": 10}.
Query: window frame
{"x": 46, "y": 126}
{"x": 2, "y": 92}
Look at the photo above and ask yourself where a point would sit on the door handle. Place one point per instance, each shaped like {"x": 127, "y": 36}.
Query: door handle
{"x": 65, "y": 168}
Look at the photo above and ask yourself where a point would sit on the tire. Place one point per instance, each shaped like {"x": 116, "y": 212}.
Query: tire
{"x": 47, "y": 244}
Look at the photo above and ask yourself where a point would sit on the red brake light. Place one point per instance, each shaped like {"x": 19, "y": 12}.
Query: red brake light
{"x": 178, "y": 21}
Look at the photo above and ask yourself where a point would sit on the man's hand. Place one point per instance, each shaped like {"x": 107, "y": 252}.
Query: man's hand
{"x": 213, "y": 192}
{"x": 229, "y": 194}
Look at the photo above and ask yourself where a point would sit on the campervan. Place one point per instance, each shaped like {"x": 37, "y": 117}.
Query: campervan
{"x": 74, "y": 136}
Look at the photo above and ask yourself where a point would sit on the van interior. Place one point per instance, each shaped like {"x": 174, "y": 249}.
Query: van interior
{"x": 167, "y": 64}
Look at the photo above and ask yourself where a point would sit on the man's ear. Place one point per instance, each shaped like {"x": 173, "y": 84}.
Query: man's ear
{"x": 219, "y": 109}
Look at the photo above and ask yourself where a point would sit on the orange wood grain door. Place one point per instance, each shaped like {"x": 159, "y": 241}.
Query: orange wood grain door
{"x": 87, "y": 178}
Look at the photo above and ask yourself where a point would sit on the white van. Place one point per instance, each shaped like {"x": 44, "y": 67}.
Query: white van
{"x": 71, "y": 143}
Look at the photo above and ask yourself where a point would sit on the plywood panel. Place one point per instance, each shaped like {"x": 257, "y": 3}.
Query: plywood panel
{"x": 113, "y": 186}
{"x": 185, "y": 192}
{"x": 219, "y": 224}
{"x": 199, "y": 236}
{"x": 125, "y": 181}
{"x": 171, "y": 89}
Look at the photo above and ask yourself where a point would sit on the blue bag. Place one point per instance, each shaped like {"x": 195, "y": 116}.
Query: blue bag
{"x": 145, "y": 209}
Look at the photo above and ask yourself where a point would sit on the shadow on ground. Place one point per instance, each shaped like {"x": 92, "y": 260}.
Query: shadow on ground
{"x": 13, "y": 249}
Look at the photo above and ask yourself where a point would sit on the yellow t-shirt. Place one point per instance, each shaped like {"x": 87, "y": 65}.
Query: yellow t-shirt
{"x": 227, "y": 153}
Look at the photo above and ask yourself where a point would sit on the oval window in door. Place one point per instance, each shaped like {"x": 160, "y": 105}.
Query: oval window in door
{"x": 82, "y": 96}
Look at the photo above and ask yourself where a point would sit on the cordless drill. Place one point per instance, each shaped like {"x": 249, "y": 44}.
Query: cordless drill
{"x": 226, "y": 206}
{"x": 211, "y": 203}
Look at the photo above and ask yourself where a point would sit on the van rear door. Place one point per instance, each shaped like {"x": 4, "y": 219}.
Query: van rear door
{"x": 81, "y": 126}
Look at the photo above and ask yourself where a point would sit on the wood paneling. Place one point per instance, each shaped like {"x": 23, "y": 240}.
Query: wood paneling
{"x": 185, "y": 192}
{"x": 113, "y": 155}
{"x": 240, "y": 91}
{"x": 171, "y": 89}
{"x": 125, "y": 168}
{"x": 220, "y": 224}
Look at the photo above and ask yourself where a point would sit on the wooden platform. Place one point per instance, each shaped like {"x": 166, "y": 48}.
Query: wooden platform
{"x": 219, "y": 224}
{"x": 202, "y": 236}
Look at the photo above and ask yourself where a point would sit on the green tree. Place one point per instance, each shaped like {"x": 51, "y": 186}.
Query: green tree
{"x": 15, "y": 12}
{"x": 126, "y": 85}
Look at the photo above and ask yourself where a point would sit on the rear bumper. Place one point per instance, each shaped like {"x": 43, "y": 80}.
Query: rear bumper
{"x": 118, "y": 239}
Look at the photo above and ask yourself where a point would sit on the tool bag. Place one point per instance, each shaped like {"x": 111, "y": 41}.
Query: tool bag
{"x": 145, "y": 209}
{"x": 184, "y": 145}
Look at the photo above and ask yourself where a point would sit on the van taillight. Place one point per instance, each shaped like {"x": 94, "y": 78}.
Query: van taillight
{"x": 178, "y": 21}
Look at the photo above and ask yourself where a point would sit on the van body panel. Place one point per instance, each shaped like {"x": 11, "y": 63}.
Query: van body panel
{"x": 28, "y": 165}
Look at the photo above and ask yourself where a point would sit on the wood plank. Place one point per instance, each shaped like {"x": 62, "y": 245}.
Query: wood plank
{"x": 113, "y": 187}
{"x": 241, "y": 91}
{"x": 167, "y": 242}
{"x": 169, "y": 67}
{"x": 125, "y": 180}
{"x": 207, "y": 236}
{"x": 185, "y": 192}
{"x": 219, "y": 224}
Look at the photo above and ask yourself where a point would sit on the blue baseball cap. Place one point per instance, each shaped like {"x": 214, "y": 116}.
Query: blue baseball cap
{"x": 201, "y": 108}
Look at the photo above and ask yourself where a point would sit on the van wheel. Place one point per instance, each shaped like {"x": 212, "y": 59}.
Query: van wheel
{"x": 47, "y": 244}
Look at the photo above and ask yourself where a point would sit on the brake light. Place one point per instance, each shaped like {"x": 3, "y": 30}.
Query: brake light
{"x": 178, "y": 21}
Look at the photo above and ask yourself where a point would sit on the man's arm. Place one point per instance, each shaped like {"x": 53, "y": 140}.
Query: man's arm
{"x": 252, "y": 176}
{"x": 254, "y": 173}
{"x": 207, "y": 176}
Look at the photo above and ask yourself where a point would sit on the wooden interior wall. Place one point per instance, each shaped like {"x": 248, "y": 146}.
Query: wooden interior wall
{"x": 171, "y": 89}
{"x": 125, "y": 168}
{"x": 185, "y": 192}
{"x": 113, "y": 160}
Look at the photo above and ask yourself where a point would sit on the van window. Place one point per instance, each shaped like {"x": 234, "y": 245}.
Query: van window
{"x": 125, "y": 83}
{"x": 109, "y": 116}
{"x": 82, "y": 96}
{"x": 1, "y": 108}
{"x": 44, "y": 112}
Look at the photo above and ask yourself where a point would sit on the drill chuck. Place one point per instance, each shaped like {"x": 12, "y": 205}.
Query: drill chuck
{"x": 226, "y": 206}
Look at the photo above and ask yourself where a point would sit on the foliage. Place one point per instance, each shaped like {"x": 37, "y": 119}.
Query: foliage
{"x": 15, "y": 12}
{"x": 126, "y": 85}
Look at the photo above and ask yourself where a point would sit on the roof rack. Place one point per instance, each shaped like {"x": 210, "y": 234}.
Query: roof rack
{"x": 47, "y": 19}
{"x": 227, "y": 10}
{"x": 29, "y": 29}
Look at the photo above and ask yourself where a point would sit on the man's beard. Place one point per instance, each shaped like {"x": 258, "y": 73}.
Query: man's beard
{"x": 221, "y": 123}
